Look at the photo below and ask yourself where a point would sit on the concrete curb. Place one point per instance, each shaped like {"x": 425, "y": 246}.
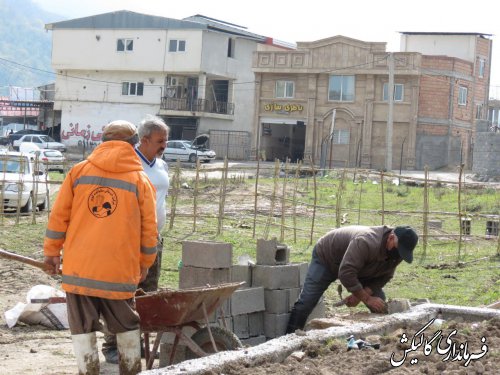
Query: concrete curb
{"x": 278, "y": 349}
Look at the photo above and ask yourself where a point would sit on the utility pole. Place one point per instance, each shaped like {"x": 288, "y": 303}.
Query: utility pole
{"x": 390, "y": 94}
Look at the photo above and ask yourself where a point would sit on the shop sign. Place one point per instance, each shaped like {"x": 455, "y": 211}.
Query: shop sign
{"x": 283, "y": 108}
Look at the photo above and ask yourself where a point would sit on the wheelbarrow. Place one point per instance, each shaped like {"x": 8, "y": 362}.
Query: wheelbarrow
{"x": 169, "y": 310}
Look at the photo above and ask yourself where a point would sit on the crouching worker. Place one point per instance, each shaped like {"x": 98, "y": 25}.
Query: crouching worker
{"x": 363, "y": 258}
{"x": 104, "y": 217}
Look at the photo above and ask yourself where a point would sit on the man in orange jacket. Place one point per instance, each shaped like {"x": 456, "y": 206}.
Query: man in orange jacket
{"x": 105, "y": 218}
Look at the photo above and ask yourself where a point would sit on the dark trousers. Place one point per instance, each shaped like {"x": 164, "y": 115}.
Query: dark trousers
{"x": 150, "y": 284}
{"x": 318, "y": 279}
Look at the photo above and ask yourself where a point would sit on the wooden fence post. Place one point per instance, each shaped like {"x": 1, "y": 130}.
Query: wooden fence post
{"x": 222, "y": 196}
{"x": 383, "y": 198}
{"x": 195, "y": 193}
{"x": 175, "y": 193}
{"x": 315, "y": 200}
{"x": 294, "y": 201}
{"x": 256, "y": 194}
{"x": 425, "y": 214}
{"x": 273, "y": 198}
{"x": 283, "y": 202}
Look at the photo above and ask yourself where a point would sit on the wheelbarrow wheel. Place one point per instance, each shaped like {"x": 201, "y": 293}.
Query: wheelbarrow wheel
{"x": 224, "y": 340}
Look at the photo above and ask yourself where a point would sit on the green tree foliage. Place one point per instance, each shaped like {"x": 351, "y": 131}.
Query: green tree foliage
{"x": 25, "y": 50}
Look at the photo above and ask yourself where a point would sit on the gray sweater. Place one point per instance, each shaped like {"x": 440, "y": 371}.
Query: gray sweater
{"x": 357, "y": 256}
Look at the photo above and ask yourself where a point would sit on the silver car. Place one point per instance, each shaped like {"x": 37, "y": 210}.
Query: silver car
{"x": 20, "y": 184}
{"x": 189, "y": 150}
{"x": 50, "y": 160}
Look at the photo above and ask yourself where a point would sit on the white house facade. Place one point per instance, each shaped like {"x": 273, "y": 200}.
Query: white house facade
{"x": 195, "y": 73}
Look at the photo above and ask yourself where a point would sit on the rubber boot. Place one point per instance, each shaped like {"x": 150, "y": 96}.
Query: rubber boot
{"x": 129, "y": 352}
{"x": 87, "y": 358}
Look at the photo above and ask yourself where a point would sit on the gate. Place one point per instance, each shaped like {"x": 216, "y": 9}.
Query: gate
{"x": 233, "y": 144}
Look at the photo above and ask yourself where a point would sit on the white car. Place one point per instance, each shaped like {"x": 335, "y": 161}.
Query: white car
{"x": 20, "y": 184}
{"x": 41, "y": 140}
{"x": 189, "y": 150}
{"x": 50, "y": 160}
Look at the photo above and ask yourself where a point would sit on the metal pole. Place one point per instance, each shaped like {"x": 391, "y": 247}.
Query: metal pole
{"x": 390, "y": 92}
{"x": 401, "y": 160}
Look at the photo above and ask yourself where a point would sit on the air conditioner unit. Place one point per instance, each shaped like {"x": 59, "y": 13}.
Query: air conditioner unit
{"x": 172, "y": 81}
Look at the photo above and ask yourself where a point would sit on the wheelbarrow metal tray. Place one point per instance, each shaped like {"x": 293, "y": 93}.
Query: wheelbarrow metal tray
{"x": 169, "y": 307}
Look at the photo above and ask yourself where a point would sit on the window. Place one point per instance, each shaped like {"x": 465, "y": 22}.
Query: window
{"x": 341, "y": 136}
{"x": 482, "y": 64}
{"x": 230, "y": 47}
{"x": 462, "y": 95}
{"x": 398, "y": 92}
{"x": 125, "y": 45}
{"x": 133, "y": 88}
{"x": 479, "y": 111}
{"x": 176, "y": 45}
{"x": 285, "y": 89}
{"x": 341, "y": 88}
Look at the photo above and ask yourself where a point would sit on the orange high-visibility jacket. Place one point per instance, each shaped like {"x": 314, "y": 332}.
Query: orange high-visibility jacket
{"x": 105, "y": 218}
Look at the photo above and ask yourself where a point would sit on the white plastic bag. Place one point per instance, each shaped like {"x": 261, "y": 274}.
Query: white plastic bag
{"x": 45, "y": 305}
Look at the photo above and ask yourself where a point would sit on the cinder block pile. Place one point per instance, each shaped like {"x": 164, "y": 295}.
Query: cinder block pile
{"x": 260, "y": 309}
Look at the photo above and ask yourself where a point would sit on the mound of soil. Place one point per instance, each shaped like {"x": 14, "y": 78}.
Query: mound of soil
{"x": 33, "y": 350}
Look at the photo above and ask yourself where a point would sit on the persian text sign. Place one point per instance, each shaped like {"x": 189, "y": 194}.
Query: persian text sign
{"x": 283, "y": 108}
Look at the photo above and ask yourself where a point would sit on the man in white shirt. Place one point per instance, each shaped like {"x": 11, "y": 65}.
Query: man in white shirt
{"x": 153, "y": 136}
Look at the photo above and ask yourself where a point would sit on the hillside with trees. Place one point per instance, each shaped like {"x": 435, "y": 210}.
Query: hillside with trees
{"x": 25, "y": 50}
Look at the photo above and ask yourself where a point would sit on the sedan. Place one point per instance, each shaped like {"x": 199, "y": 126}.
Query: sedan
{"x": 51, "y": 160}
{"x": 187, "y": 151}
{"x": 41, "y": 140}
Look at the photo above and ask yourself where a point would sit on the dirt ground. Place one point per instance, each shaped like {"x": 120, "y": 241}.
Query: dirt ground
{"x": 34, "y": 350}
{"x": 335, "y": 358}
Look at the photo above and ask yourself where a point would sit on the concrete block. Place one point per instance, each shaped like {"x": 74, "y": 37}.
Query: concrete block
{"x": 248, "y": 300}
{"x": 256, "y": 323}
{"x": 276, "y": 300}
{"x": 294, "y": 295}
{"x": 207, "y": 254}
{"x": 275, "y": 324}
{"x": 280, "y": 301}
{"x": 303, "y": 267}
{"x": 398, "y": 305}
{"x": 240, "y": 326}
{"x": 270, "y": 252}
{"x": 276, "y": 277}
{"x": 253, "y": 341}
{"x": 242, "y": 273}
{"x": 190, "y": 277}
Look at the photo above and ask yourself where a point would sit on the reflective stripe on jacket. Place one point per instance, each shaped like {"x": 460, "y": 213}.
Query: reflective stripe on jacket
{"x": 105, "y": 218}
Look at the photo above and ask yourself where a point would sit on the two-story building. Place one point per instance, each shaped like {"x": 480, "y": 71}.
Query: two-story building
{"x": 345, "y": 102}
{"x": 195, "y": 73}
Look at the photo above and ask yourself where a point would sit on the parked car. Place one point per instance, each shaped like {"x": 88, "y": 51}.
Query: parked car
{"x": 42, "y": 140}
{"x": 4, "y": 141}
{"x": 15, "y": 136}
{"x": 51, "y": 160}
{"x": 189, "y": 150}
{"x": 20, "y": 184}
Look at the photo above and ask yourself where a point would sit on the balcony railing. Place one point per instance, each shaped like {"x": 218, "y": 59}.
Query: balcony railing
{"x": 197, "y": 105}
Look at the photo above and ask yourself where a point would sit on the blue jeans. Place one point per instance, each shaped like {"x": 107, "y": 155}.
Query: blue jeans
{"x": 318, "y": 279}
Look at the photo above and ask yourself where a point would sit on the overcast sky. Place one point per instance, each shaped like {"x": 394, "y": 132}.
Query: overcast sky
{"x": 292, "y": 21}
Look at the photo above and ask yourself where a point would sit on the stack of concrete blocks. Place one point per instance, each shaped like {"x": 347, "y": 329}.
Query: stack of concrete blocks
{"x": 282, "y": 282}
{"x": 204, "y": 263}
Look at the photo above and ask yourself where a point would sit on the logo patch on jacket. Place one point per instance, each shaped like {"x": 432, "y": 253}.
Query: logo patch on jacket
{"x": 102, "y": 202}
